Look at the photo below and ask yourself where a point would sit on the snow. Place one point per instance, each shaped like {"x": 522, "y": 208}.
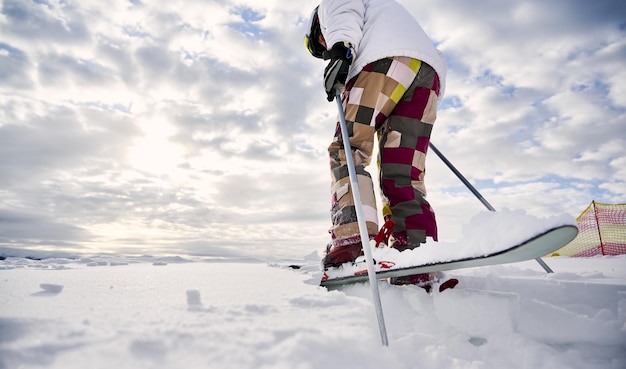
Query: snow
{"x": 176, "y": 312}
{"x": 135, "y": 313}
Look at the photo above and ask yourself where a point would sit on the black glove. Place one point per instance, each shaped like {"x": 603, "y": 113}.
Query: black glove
{"x": 336, "y": 73}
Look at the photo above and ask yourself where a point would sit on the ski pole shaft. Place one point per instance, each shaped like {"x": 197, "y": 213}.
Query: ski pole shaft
{"x": 477, "y": 194}
{"x": 356, "y": 195}
{"x": 461, "y": 177}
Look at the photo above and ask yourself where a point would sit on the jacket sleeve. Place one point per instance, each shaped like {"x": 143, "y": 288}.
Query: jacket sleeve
{"x": 342, "y": 20}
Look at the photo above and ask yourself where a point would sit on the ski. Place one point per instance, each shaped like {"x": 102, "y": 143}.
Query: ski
{"x": 534, "y": 247}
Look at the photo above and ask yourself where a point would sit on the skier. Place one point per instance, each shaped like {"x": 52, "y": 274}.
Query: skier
{"x": 392, "y": 78}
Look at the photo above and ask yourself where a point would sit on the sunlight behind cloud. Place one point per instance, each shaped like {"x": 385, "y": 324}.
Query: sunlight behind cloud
{"x": 154, "y": 152}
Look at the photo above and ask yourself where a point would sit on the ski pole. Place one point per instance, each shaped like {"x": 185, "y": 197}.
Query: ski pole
{"x": 356, "y": 195}
{"x": 477, "y": 194}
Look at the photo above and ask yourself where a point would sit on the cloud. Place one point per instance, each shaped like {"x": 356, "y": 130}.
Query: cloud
{"x": 22, "y": 229}
{"x": 530, "y": 73}
{"x": 44, "y": 22}
{"x": 147, "y": 127}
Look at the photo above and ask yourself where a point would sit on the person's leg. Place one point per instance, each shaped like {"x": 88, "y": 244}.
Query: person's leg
{"x": 346, "y": 241}
{"x": 403, "y": 147}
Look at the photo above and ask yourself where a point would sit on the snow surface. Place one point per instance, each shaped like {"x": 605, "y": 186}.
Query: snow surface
{"x": 174, "y": 312}
{"x": 108, "y": 312}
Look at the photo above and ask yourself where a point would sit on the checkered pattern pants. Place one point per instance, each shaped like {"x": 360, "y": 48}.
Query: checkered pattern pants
{"x": 394, "y": 99}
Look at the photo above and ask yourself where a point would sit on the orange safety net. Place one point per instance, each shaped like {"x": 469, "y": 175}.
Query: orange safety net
{"x": 601, "y": 231}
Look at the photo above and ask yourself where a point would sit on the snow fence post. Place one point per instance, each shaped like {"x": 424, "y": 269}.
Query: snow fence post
{"x": 477, "y": 194}
{"x": 356, "y": 194}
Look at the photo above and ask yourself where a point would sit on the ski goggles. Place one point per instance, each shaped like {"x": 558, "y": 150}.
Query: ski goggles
{"x": 314, "y": 47}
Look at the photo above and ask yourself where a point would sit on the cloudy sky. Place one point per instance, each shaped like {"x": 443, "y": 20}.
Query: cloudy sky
{"x": 200, "y": 127}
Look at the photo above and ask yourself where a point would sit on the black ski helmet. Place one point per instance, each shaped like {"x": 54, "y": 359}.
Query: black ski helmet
{"x": 311, "y": 39}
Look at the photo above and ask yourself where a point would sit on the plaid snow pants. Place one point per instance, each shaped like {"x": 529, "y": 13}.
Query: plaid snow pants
{"x": 394, "y": 99}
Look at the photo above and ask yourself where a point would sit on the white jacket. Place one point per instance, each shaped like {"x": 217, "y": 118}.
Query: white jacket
{"x": 378, "y": 29}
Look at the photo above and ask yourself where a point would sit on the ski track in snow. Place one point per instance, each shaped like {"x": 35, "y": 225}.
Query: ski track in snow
{"x": 108, "y": 312}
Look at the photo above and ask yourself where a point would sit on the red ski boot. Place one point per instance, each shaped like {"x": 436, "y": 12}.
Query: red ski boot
{"x": 337, "y": 255}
